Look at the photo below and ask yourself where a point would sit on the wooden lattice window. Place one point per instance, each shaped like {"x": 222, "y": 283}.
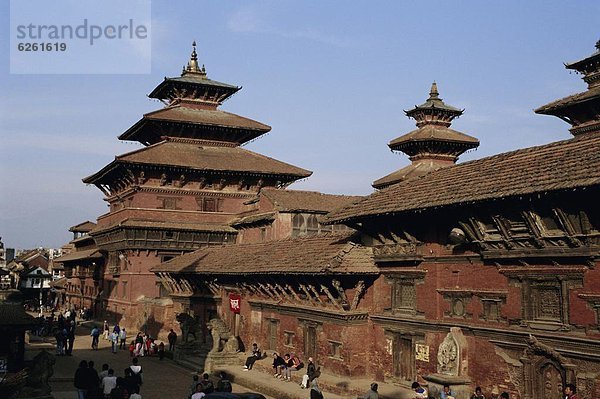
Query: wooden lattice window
{"x": 404, "y": 296}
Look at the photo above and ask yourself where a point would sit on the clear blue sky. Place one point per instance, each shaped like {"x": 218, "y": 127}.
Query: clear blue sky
{"x": 332, "y": 78}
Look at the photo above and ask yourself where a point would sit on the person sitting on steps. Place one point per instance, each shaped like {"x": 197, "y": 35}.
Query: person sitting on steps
{"x": 256, "y": 355}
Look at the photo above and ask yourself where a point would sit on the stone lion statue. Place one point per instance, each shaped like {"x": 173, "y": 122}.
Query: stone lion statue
{"x": 42, "y": 368}
{"x": 189, "y": 325}
{"x": 223, "y": 339}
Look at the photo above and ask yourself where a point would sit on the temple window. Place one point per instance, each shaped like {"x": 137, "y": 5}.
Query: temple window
{"x": 288, "y": 338}
{"x": 209, "y": 204}
{"x": 298, "y": 225}
{"x": 168, "y": 202}
{"x": 312, "y": 226}
{"x": 335, "y": 350}
{"x": 124, "y": 289}
{"x": 404, "y": 298}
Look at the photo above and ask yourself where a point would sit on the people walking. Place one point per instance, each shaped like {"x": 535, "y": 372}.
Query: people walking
{"x": 315, "y": 391}
{"x": 161, "y": 350}
{"x": 81, "y": 381}
{"x": 571, "y": 391}
{"x": 114, "y": 341}
{"x": 109, "y": 383}
{"x": 172, "y": 338}
{"x": 122, "y": 338}
{"x": 95, "y": 334}
{"x": 70, "y": 337}
{"x": 106, "y": 329}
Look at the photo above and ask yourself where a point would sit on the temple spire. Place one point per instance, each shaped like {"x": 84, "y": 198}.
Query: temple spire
{"x": 192, "y": 65}
{"x": 433, "y": 93}
{"x": 433, "y": 145}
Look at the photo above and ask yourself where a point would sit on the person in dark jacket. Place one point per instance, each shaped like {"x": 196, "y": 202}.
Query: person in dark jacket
{"x": 315, "y": 391}
{"x": 82, "y": 380}
{"x": 254, "y": 356}
{"x": 224, "y": 385}
{"x": 312, "y": 372}
{"x": 278, "y": 365}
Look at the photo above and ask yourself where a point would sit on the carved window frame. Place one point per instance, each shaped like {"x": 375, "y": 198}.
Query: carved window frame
{"x": 404, "y": 291}
{"x": 532, "y": 289}
{"x": 335, "y": 350}
{"x": 289, "y": 339}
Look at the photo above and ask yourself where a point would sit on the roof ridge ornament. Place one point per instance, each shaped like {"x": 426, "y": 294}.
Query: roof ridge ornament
{"x": 434, "y": 93}
{"x": 192, "y": 65}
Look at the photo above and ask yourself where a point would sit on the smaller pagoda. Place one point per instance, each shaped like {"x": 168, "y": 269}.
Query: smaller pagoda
{"x": 580, "y": 110}
{"x": 433, "y": 144}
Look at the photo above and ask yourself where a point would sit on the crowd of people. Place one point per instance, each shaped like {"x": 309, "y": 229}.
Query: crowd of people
{"x": 91, "y": 384}
{"x": 202, "y": 387}
{"x": 142, "y": 345}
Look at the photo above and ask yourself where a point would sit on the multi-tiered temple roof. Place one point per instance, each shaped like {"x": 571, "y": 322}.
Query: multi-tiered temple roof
{"x": 581, "y": 109}
{"x": 190, "y": 136}
{"x": 433, "y": 145}
{"x": 192, "y": 111}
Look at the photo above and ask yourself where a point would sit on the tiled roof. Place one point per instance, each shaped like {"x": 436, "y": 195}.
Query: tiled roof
{"x": 591, "y": 93}
{"x": 83, "y": 227}
{"x": 298, "y": 201}
{"x": 82, "y": 240}
{"x": 93, "y": 253}
{"x": 146, "y": 127}
{"x": 173, "y": 153}
{"x": 561, "y": 165}
{"x": 254, "y": 218}
{"x": 12, "y": 312}
{"x": 162, "y": 225}
{"x": 324, "y": 254}
{"x": 409, "y": 172}
{"x": 436, "y": 133}
{"x": 190, "y": 81}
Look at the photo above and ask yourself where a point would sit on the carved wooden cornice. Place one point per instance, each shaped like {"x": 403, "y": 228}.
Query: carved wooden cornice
{"x": 512, "y": 338}
{"x": 312, "y": 313}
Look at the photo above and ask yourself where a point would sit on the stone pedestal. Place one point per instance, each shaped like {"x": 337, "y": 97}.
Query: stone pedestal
{"x": 459, "y": 385}
{"x": 216, "y": 360}
{"x": 187, "y": 349}
{"x": 452, "y": 367}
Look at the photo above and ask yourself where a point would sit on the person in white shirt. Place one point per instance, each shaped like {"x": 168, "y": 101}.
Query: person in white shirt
{"x": 109, "y": 382}
{"x": 199, "y": 394}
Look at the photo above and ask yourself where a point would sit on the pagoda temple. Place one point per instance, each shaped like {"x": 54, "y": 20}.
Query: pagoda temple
{"x": 433, "y": 145}
{"x": 580, "y": 110}
{"x": 179, "y": 192}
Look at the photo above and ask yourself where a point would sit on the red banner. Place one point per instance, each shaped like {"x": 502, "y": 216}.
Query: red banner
{"x": 235, "y": 301}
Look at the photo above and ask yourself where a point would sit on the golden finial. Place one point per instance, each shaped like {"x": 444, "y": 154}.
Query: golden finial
{"x": 433, "y": 93}
{"x": 192, "y": 66}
